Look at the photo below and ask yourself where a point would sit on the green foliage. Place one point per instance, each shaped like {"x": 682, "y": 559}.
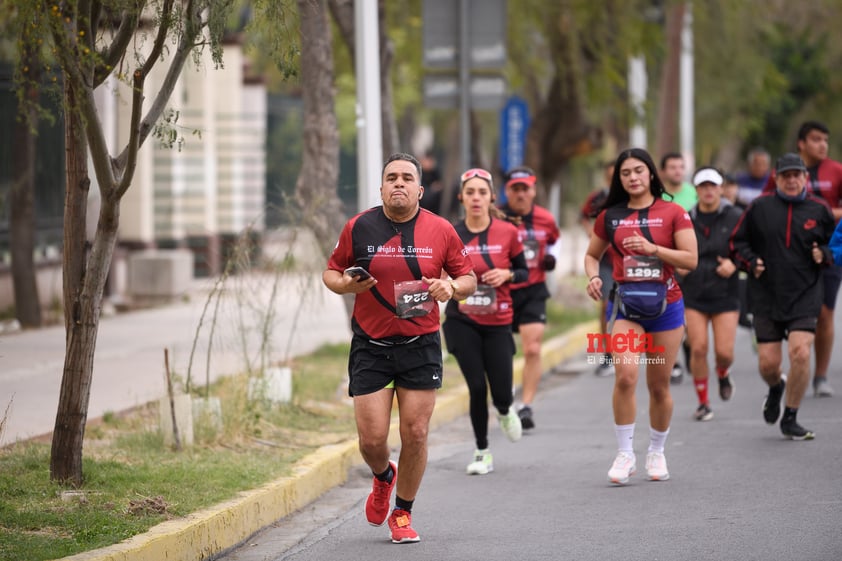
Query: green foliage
{"x": 404, "y": 27}
{"x": 141, "y": 486}
{"x": 272, "y": 39}
{"x": 800, "y": 59}
{"x": 85, "y": 46}
{"x": 761, "y": 69}
{"x": 26, "y": 39}
{"x": 283, "y": 162}
{"x": 605, "y": 35}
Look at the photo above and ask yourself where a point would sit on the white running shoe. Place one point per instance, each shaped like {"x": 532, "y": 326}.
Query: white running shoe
{"x": 622, "y": 468}
{"x": 482, "y": 464}
{"x": 656, "y": 467}
{"x": 510, "y": 425}
{"x": 821, "y": 388}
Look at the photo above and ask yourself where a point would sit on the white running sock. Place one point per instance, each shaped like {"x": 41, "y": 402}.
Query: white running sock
{"x": 657, "y": 439}
{"x": 625, "y": 438}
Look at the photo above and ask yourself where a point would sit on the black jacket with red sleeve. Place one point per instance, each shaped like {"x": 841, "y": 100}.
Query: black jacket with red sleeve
{"x": 782, "y": 232}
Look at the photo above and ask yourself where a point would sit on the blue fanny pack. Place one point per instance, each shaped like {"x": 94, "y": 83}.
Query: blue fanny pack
{"x": 641, "y": 300}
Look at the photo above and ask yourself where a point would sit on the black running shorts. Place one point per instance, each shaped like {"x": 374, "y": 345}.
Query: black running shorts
{"x": 415, "y": 364}
{"x": 768, "y": 330}
{"x": 530, "y": 305}
{"x": 832, "y": 278}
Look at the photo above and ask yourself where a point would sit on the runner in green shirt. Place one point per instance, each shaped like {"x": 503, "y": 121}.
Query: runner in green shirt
{"x": 672, "y": 175}
{"x": 683, "y": 194}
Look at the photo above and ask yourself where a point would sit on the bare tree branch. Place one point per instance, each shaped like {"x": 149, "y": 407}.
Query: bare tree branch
{"x": 139, "y": 132}
{"x": 163, "y": 29}
{"x": 117, "y": 48}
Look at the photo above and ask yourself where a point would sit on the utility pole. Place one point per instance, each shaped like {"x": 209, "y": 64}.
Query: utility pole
{"x": 369, "y": 133}
{"x": 464, "y": 84}
{"x": 637, "y": 98}
{"x": 687, "y": 90}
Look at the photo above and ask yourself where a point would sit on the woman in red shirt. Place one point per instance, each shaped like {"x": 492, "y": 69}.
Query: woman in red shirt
{"x": 650, "y": 238}
{"x": 478, "y": 329}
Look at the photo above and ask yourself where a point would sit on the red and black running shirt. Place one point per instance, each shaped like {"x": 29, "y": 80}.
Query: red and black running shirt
{"x": 536, "y": 231}
{"x": 657, "y": 223}
{"x": 394, "y": 252}
{"x": 592, "y": 205}
{"x": 496, "y": 247}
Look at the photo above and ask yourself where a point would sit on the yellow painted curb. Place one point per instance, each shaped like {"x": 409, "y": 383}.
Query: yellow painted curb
{"x": 213, "y": 530}
{"x": 209, "y": 532}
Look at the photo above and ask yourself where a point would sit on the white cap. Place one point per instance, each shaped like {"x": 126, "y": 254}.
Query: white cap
{"x": 707, "y": 175}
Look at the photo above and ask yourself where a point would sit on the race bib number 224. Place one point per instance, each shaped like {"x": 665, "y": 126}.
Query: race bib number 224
{"x": 413, "y": 299}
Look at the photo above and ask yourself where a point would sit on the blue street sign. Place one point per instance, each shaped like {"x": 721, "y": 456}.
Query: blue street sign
{"x": 514, "y": 122}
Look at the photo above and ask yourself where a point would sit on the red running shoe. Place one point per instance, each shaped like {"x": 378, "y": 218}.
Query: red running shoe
{"x": 377, "y": 504}
{"x": 400, "y": 523}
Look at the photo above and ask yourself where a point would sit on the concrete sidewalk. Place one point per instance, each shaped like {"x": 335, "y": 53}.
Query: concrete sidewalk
{"x": 129, "y": 361}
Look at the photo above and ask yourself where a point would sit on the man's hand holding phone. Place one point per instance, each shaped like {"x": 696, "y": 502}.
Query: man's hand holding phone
{"x": 360, "y": 280}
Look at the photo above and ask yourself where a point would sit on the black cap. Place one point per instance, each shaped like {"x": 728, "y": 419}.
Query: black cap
{"x": 520, "y": 174}
{"x": 788, "y": 162}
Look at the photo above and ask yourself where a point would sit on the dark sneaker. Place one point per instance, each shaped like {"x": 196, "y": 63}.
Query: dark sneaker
{"x": 772, "y": 403}
{"x": 605, "y": 367}
{"x": 377, "y": 504}
{"x": 793, "y": 431}
{"x": 677, "y": 375}
{"x": 400, "y": 523}
{"x": 703, "y": 413}
{"x": 726, "y": 388}
{"x": 526, "y": 421}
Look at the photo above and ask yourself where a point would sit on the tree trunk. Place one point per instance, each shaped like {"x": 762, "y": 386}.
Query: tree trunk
{"x": 80, "y": 331}
{"x": 389, "y": 125}
{"x": 666, "y": 129}
{"x": 343, "y": 15}
{"x": 560, "y": 129}
{"x": 22, "y": 207}
{"x": 316, "y": 187}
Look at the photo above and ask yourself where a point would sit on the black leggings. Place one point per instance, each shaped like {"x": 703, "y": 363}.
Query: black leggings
{"x": 483, "y": 350}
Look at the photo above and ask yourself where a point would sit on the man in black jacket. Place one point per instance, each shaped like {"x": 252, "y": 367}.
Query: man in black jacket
{"x": 781, "y": 240}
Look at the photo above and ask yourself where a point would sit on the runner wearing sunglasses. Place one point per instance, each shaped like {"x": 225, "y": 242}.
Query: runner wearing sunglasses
{"x": 478, "y": 329}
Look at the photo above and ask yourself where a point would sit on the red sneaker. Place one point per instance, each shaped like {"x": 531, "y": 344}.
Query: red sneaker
{"x": 377, "y": 504}
{"x": 400, "y": 524}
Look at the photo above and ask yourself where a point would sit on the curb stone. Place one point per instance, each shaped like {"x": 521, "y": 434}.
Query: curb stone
{"x": 212, "y": 531}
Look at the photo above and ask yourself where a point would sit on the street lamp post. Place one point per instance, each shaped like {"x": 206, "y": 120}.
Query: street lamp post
{"x": 369, "y": 133}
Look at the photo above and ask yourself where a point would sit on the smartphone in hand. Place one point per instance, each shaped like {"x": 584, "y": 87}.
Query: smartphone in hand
{"x": 358, "y": 272}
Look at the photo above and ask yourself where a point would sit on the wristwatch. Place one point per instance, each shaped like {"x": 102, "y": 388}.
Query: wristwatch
{"x": 455, "y": 286}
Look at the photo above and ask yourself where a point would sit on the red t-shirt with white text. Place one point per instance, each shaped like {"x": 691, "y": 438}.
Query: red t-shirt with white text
{"x": 395, "y": 252}
{"x": 660, "y": 220}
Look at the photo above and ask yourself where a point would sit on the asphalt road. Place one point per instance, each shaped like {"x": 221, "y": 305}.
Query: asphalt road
{"x": 738, "y": 490}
